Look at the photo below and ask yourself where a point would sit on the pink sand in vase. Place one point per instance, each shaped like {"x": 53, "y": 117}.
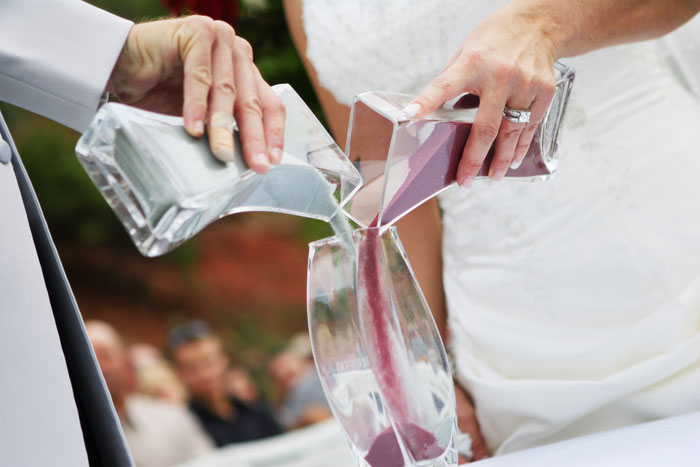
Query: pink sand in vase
{"x": 385, "y": 450}
{"x": 378, "y": 309}
{"x": 433, "y": 166}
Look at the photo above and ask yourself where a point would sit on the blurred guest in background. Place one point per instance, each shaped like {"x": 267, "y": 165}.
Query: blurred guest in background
{"x": 304, "y": 402}
{"x": 240, "y": 385}
{"x": 202, "y": 364}
{"x": 158, "y": 433}
{"x": 155, "y": 376}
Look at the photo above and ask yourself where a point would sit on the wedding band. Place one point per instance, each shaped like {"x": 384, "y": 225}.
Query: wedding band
{"x": 516, "y": 116}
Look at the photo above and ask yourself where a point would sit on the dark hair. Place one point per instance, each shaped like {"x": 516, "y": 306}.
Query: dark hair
{"x": 188, "y": 332}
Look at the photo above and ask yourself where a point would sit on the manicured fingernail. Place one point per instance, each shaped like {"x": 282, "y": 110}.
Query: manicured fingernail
{"x": 198, "y": 127}
{"x": 515, "y": 164}
{"x": 411, "y": 110}
{"x": 224, "y": 154}
{"x": 276, "y": 155}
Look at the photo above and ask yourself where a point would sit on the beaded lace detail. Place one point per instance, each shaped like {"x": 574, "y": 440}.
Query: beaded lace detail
{"x": 343, "y": 34}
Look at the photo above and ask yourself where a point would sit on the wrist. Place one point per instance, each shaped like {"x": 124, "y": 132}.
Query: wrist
{"x": 127, "y": 65}
{"x": 545, "y": 25}
{"x": 113, "y": 83}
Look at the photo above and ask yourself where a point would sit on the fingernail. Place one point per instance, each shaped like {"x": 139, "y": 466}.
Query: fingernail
{"x": 224, "y": 154}
{"x": 515, "y": 164}
{"x": 198, "y": 127}
{"x": 411, "y": 110}
{"x": 466, "y": 182}
{"x": 276, "y": 155}
{"x": 262, "y": 161}
{"x": 496, "y": 176}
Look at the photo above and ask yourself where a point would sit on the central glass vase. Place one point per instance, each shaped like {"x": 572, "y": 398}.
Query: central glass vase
{"x": 378, "y": 351}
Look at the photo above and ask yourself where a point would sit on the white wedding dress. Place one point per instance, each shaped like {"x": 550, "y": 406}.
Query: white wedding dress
{"x": 574, "y": 304}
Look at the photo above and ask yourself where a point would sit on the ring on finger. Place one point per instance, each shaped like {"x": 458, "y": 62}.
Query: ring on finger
{"x": 517, "y": 116}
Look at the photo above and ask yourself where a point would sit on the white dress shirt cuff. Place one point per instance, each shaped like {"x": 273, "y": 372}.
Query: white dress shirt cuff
{"x": 61, "y": 57}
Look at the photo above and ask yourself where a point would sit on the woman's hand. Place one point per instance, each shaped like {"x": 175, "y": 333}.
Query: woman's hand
{"x": 466, "y": 419}
{"x": 198, "y": 68}
{"x": 507, "y": 60}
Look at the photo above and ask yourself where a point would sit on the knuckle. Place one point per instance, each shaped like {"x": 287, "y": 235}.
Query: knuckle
{"x": 223, "y": 29}
{"x": 443, "y": 84}
{"x": 550, "y": 89}
{"x": 526, "y": 80}
{"x": 276, "y": 132}
{"x": 527, "y": 136}
{"x": 475, "y": 58}
{"x": 252, "y": 105}
{"x": 225, "y": 87}
{"x": 486, "y": 133}
{"x": 277, "y": 107}
{"x": 503, "y": 72}
{"x": 471, "y": 166}
{"x": 244, "y": 48}
{"x": 202, "y": 25}
{"x": 529, "y": 130}
{"x": 509, "y": 133}
{"x": 202, "y": 75}
{"x": 500, "y": 164}
{"x": 522, "y": 147}
{"x": 545, "y": 86}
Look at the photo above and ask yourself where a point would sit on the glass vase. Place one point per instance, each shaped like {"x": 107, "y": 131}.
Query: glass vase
{"x": 378, "y": 351}
{"x": 165, "y": 186}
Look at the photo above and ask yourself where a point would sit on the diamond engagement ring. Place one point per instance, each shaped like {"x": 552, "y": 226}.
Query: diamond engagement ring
{"x": 516, "y": 116}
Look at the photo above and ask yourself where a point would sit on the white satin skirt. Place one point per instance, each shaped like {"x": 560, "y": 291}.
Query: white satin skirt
{"x": 574, "y": 304}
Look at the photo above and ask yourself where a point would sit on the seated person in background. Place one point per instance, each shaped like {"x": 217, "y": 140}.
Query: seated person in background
{"x": 155, "y": 376}
{"x": 294, "y": 373}
{"x": 202, "y": 364}
{"x": 158, "y": 433}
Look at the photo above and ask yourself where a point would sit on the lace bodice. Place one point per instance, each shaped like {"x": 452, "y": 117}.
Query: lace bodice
{"x": 367, "y": 45}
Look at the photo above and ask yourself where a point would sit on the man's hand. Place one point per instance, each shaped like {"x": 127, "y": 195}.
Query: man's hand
{"x": 198, "y": 68}
{"x": 466, "y": 419}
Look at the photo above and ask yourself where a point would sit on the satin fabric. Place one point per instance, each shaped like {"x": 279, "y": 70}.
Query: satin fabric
{"x": 574, "y": 304}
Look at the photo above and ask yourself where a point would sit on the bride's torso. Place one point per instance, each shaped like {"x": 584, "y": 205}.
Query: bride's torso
{"x": 369, "y": 45}
{"x": 562, "y": 283}
{"x": 626, "y": 148}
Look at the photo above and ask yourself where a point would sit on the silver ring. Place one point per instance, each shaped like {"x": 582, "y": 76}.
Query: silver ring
{"x": 516, "y": 116}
